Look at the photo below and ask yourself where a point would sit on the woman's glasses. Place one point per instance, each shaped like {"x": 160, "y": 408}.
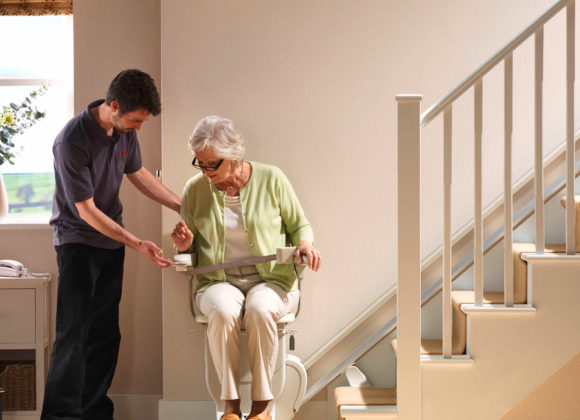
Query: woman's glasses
{"x": 211, "y": 168}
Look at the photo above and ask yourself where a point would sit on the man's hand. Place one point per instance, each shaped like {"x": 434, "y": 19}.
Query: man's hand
{"x": 182, "y": 236}
{"x": 108, "y": 227}
{"x": 153, "y": 253}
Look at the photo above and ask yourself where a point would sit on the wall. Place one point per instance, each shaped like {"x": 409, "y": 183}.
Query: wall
{"x": 311, "y": 86}
{"x": 111, "y": 36}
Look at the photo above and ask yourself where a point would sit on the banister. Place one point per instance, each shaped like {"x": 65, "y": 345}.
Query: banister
{"x": 438, "y": 107}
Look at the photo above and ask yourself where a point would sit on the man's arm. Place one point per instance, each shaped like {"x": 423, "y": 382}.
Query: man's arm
{"x": 155, "y": 190}
{"x": 108, "y": 227}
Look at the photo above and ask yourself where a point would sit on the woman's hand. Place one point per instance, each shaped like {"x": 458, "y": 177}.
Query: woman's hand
{"x": 314, "y": 259}
{"x": 182, "y": 236}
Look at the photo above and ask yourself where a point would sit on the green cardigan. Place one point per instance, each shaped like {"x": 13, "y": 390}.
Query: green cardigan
{"x": 272, "y": 218}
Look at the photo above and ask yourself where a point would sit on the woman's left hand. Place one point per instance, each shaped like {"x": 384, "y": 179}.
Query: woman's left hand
{"x": 314, "y": 259}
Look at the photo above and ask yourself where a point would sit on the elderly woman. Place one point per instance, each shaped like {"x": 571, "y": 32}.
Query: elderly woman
{"x": 235, "y": 209}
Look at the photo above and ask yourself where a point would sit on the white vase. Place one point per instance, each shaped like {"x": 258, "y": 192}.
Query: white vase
{"x": 3, "y": 199}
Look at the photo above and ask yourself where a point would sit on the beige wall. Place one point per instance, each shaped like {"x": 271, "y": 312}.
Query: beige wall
{"x": 111, "y": 36}
{"x": 311, "y": 86}
{"x": 32, "y": 247}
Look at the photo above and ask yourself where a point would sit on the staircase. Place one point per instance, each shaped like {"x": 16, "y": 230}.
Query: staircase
{"x": 497, "y": 350}
{"x": 496, "y": 347}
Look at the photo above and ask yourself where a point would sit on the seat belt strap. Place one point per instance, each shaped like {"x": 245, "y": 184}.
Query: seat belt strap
{"x": 234, "y": 264}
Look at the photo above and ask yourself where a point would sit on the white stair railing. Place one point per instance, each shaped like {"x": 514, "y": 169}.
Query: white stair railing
{"x": 508, "y": 270}
{"x": 570, "y": 159}
{"x": 478, "y": 206}
{"x": 409, "y": 134}
{"x": 538, "y": 141}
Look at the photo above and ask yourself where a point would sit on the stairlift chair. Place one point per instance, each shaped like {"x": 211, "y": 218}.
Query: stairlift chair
{"x": 287, "y": 399}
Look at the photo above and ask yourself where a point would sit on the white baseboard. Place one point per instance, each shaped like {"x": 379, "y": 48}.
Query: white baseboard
{"x": 136, "y": 406}
{"x": 187, "y": 410}
{"x": 152, "y": 407}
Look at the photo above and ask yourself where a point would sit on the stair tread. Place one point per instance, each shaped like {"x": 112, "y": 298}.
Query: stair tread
{"x": 548, "y": 247}
{"x": 521, "y": 266}
{"x": 366, "y": 395}
{"x": 458, "y": 298}
{"x": 431, "y": 347}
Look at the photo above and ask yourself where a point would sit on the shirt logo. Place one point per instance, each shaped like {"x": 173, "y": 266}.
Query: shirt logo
{"x": 125, "y": 152}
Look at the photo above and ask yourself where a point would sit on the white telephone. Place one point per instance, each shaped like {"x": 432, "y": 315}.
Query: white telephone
{"x": 12, "y": 268}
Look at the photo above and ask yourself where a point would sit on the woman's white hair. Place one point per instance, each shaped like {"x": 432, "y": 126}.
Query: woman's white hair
{"x": 219, "y": 134}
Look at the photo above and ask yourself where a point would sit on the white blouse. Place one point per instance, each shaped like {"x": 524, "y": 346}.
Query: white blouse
{"x": 237, "y": 246}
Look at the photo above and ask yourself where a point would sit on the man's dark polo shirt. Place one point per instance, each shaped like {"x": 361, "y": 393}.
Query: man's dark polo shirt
{"x": 88, "y": 163}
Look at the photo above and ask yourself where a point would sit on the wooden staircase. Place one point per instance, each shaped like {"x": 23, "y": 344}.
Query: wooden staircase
{"x": 548, "y": 311}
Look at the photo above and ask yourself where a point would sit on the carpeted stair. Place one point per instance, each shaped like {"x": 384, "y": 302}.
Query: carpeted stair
{"x": 460, "y": 297}
{"x": 387, "y": 396}
{"x": 350, "y": 395}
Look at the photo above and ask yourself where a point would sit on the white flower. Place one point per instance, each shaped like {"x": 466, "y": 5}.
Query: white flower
{"x": 7, "y": 119}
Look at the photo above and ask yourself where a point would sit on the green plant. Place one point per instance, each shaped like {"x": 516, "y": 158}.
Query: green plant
{"x": 14, "y": 119}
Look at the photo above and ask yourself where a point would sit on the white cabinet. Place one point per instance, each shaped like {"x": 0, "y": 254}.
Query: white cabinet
{"x": 24, "y": 331}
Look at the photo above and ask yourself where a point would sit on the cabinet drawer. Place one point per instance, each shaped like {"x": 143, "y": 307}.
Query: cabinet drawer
{"x": 17, "y": 316}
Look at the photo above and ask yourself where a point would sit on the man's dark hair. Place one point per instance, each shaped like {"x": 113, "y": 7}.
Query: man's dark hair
{"x": 134, "y": 90}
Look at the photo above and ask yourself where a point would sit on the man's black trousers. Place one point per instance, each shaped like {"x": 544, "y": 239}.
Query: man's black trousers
{"x": 84, "y": 355}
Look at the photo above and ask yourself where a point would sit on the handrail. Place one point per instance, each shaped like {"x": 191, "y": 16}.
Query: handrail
{"x": 439, "y": 106}
{"x": 350, "y": 327}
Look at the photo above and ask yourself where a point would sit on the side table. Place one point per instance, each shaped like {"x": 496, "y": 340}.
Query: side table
{"x": 24, "y": 332}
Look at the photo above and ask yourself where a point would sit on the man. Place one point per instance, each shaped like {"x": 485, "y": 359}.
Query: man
{"x": 91, "y": 154}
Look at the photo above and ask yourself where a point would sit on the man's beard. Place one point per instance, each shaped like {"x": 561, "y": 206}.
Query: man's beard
{"x": 118, "y": 128}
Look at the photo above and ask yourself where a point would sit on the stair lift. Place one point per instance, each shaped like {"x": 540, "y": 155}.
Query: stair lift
{"x": 289, "y": 380}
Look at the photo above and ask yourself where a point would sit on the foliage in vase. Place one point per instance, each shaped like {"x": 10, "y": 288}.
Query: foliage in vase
{"x": 14, "y": 119}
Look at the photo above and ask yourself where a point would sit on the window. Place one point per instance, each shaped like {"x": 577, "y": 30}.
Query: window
{"x": 38, "y": 50}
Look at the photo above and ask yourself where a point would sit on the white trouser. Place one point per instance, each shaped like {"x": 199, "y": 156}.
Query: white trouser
{"x": 265, "y": 303}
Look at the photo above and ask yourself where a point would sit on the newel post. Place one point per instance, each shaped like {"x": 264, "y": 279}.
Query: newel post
{"x": 408, "y": 263}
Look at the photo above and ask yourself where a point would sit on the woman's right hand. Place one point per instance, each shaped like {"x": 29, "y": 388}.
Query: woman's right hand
{"x": 182, "y": 236}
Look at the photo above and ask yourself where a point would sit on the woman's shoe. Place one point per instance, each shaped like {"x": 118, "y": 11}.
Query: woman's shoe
{"x": 231, "y": 416}
{"x": 268, "y": 416}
